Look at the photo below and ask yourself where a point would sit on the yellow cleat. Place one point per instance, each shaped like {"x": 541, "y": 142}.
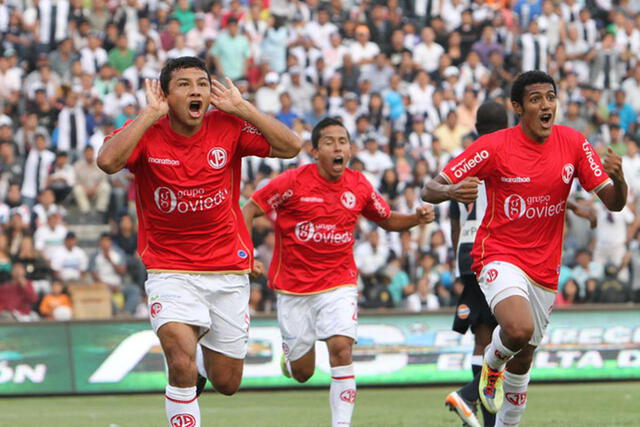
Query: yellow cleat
{"x": 490, "y": 388}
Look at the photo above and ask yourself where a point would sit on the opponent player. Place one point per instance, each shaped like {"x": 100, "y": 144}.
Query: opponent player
{"x": 197, "y": 251}
{"x": 313, "y": 269}
{"x": 528, "y": 171}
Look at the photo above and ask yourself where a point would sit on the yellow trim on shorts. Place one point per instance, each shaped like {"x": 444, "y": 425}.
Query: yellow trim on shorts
{"x": 280, "y": 291}
{"x": 155, "y": 270}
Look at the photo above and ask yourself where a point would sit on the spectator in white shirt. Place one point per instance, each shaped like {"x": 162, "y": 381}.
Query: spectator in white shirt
{"x": 375, "y": 161}
{"x": 423, "y": 299}
{"x": 70, "y": 263}
{"x": 363, "y": 51}
{"x": 36, "y": 170}
{"x": 49, "y": 237}
{"x": 427, "y": 53}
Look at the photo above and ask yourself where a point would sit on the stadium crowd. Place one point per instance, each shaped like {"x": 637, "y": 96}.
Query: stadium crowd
{"x": 405, "y": 77}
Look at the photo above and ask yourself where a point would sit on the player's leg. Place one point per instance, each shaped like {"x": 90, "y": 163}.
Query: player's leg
{"x": 178, "y": 343}
{"x": 178, "y": 323}
{"x": 296, "y": 318}
{"x": 224, "y": 346}
{"x": 337, "y": 325}
{"x": 506, "y": 290}
{"x": 516, "y": 380}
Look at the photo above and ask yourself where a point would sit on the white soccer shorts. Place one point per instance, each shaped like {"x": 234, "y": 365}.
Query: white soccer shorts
{"x": 304, "y": 319}
{"x": 499, "y": 280}
{"x": 217, "y": 303}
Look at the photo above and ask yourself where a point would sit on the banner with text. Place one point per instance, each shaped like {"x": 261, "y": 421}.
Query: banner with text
{"x": 53, "y": 358}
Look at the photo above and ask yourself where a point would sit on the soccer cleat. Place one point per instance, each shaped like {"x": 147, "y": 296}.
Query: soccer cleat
{"x": 200, "y": 384}
{"x": 490, "y": 388}
{"x": 463, "y": 408}
{"x": 283, "y": 366}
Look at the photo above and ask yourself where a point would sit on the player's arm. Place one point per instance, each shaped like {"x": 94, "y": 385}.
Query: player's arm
{"x": 114, "y": 154}
{"x": 251, "y": 210}
{"x": 614, "y": 196}
{"x": 284, "y": 143}
{"x": 399, "y": 222}
{"x": 438, "y": 190}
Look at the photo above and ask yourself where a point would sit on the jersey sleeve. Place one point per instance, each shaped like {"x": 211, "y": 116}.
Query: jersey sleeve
{"x": 477, "y": 160}
{"x": 135, "y": 155}
{"x": 375, "y": 207}
{"x": 251, "y": 142}
{"x": 275, "y": 193}
{"x": 590, "y": 171}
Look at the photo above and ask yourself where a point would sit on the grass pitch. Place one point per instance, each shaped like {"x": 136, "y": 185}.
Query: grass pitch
{"x": 580, "y": 405}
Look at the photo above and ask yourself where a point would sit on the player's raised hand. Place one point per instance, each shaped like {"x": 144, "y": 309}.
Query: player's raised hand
{"x": 425, "y": 214}
{"x": 613, "y": 165}
{"x": 156, "y": 101}
{"x": 466, "y": 191}
{"x": 257, "y": 270}
{"x": 226, "y": 98}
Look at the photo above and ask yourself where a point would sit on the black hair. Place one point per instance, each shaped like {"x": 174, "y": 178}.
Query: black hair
{"x": 526, "y": 79}
{"x": 491, "y": 116}
{"x": 178, "y": 64}
{"x": 324, "y": 123}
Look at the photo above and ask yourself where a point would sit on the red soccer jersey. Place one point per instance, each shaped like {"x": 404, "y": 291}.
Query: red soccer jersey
{"x": 527, "y": 188}
{"x": 314, "y": 227}
{"x": 187, "y": 195}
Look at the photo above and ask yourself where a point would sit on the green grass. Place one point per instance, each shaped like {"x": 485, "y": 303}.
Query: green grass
{"x": 580, "y": 405}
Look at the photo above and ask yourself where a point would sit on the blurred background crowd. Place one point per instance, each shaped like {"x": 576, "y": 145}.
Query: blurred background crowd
{"x": 405, "y": 77}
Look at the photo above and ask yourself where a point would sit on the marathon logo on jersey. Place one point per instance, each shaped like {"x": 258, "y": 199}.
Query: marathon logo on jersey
{"x": 515, "y": 179}
{"x": 307, "y": 231}
{"x": 312, "y": 199}
{"x": 166, "y": 162}
{"x": 183, "y": 420}
{"x": 348, "y": 200}
{"x": 348, "y": 395}
{"x": 567, "y": 173}
{"x": 517, "y": 399}
{"x": 467, "y": 164}
{"x": 217, "y": 158}
{"x": 156, "y": 308}
{"x": 534, "y": 207}
{"x": 588, "y": 151}
{"x": 463, "y": 311}
{"x": 187, "y": 201}
{"x": 492, "y": 275}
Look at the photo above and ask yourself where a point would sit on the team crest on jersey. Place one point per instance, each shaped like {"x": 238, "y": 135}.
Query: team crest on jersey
{"x": 348, "y": 200}
{"x": 492, "y": 275}
{"x": 183, "y": 420}
{"x": 217, "y": 158}
{"x": 156, "y": 308}
{"x": 567, "y": 173}
{"x": 463, "y": 311}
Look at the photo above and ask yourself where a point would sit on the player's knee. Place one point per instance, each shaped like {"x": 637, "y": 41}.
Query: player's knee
{"x": 227, "y": 388}
{"x": 302, "y": 375}
{"x": 519, "y": 334}
{"x": 341, "y": 356}
{"x": 181, "y": 367}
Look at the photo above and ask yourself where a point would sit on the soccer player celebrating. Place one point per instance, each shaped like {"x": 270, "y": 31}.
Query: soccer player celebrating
{"x": 313, "y": 269}
{"x": 197, "y": 251}
{"x": 528, "y": 171}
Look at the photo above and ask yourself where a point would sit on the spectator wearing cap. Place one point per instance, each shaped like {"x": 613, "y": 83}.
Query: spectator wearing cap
{"x": 36, "y": 169}
{"x": 363, "y": 50}
{"x": 72, "y": 127}
{"x": 70, "y": 262}
{"x": 231, "y": 52}
{"x": 93, "y": 56}
{"x": 268, "y": 96}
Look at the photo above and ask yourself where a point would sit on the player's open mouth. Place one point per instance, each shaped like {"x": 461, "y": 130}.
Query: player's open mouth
{"x": 195, "y": 109}
{"x": 338, "y": 162}
{"x": 545, "y": 119}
